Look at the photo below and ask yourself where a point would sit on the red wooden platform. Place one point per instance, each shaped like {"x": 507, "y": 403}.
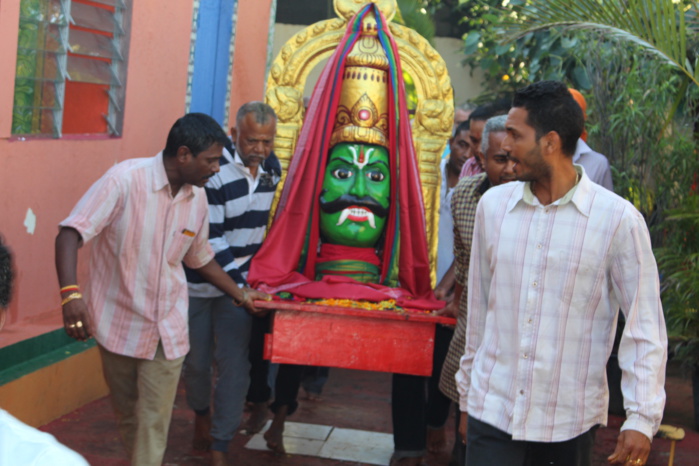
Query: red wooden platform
{"x": 333, "y": 336}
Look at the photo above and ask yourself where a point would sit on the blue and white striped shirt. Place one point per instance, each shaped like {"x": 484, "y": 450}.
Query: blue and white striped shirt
{"x": 238, "y": 212}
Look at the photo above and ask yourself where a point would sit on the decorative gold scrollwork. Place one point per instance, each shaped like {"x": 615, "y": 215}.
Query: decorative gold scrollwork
{"x": 287, "y": 103}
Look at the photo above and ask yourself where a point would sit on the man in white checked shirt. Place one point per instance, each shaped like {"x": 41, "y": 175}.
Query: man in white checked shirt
{"x": 553, "y": 259}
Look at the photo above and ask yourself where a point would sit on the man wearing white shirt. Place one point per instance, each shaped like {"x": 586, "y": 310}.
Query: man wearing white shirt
{"x": 554, "y": 257}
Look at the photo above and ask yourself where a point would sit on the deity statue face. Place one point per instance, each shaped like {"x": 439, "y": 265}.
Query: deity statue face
{"x": 355, "y": 197}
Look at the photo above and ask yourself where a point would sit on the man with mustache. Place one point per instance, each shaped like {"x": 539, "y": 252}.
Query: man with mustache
{"x": 240, "y": 196}
{"x": 477, "y": 119}
{"x": 498, "y": 170}
{"x": 355, "y": 197}
{"x": 146, "y": 217}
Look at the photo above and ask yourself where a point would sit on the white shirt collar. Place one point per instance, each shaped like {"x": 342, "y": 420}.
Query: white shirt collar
{"x": 239, "y": 162}
{"x": 580, "y": 148}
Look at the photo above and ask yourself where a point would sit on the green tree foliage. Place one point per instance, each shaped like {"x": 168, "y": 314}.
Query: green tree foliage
{"x": 678, "y": 260}
{"x": 413, "y": 14}
{"x": 507, "y": 66}
{"x": 628, "y": 103}
{"x": 641, "y": 58}
{"x": 667, "y": 29}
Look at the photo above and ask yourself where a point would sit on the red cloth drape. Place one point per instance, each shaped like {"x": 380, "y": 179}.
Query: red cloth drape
{"x": 287, "y": 258}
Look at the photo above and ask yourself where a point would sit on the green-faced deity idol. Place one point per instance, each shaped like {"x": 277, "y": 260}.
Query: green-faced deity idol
{"x": 355, "y": 197}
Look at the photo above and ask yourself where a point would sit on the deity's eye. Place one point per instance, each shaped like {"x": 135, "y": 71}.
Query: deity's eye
{"x": 342, "y": 173}
{"x": 375, "y": 175}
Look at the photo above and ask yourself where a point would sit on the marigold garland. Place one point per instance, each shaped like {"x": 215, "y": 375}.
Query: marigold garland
{"x": 389, "y": 304}
{"x": 386, "y": 305}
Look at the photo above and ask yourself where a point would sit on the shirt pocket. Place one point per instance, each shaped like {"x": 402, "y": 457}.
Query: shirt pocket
{"x": 180, "y": 244}
{"x": 577, "y": 276}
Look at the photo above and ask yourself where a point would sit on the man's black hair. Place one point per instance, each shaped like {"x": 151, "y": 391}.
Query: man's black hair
{"x": 7, "y": 275}
{"x": 260, "y": 110}
{"x": 463, "y": 126}
{"x": 197, "y": 131}
{"x": 550, "y": 107}
{"x": 487, "y": 111}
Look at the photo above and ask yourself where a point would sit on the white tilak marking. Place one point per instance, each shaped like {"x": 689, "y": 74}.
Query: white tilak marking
{"x": 357, "y": 212}
{"x": 355, "y": 156}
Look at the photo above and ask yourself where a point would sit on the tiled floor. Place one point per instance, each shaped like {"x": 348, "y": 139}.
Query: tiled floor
{"x": 358, "y": 446}
{"x": 351, "y": 425}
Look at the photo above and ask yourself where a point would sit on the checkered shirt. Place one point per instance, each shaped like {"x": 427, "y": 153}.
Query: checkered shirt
{"x": 463, "y": 208}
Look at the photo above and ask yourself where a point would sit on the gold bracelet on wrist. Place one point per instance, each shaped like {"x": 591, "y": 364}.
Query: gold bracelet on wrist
{"x": 71, "y": 297}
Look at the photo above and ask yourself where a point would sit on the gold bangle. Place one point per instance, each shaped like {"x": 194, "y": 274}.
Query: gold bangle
{"x": 242, "y": 301}
{"x": 70, "y": 288}
{"x": 71, "y": 297}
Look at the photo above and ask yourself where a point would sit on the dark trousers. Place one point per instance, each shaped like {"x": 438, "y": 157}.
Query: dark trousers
{"x": 409, "y": 410}
{"x": 314, "y": 379}
{"x": 288, "y": 381}
{"x": 458, "y": 453}
{"x": 417, "y": 402}
{"x": 259, "y": 390}
{"x": 286, "y": 388}
{"x": 437, "y": 402}
{"x": 488, "y": 445}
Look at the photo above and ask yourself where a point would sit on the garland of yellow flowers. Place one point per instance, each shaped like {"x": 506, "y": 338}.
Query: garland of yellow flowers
{"x": 389, "y": 304}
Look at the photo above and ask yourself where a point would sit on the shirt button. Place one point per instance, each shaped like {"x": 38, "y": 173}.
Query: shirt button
{"x": 529, "y": 321}
{"x": 539, "y": 246}
{"x": 521, "y": 392}
{"x": 526, "y": 356}
{"x": 534, "y": 284}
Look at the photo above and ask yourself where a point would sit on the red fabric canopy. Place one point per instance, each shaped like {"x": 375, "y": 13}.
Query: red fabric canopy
{"x": 286, "y": 261}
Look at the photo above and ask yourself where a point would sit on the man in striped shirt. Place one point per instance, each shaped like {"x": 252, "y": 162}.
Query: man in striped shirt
{"x": 145, "y": 217}
{"x": 553, "y": 259}
{"x": 240, "y": 197}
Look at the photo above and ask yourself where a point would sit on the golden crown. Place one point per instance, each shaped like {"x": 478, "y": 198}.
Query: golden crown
{"x": 362, "y": 115}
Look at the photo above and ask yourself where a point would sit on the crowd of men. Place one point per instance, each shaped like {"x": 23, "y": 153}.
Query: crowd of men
{"x": 536, "y": 257}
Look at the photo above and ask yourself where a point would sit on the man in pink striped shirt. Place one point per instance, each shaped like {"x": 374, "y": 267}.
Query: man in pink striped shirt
{"x": 145, "y": 217}
{"x": 554, "y": 257}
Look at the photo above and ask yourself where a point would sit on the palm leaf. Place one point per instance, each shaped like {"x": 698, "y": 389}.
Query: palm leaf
{"x": 661, "y": 27}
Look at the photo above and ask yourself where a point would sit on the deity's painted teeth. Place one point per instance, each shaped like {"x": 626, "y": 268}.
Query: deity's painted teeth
{"x": 357, "y": 214}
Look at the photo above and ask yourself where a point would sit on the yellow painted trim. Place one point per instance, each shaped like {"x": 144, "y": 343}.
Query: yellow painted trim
{"x": 53, "y": 391}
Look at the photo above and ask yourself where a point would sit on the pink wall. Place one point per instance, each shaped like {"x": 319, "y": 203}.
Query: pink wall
{"x": 48, "y": 176}
{"x": 250, "y": 56}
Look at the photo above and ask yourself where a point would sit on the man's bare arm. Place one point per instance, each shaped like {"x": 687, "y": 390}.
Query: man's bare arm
{"x": 214, "y": 274}
{"x": 76, "y": 318}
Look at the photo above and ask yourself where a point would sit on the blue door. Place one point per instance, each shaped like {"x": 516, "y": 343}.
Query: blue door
{"x": 212, "y": 58}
